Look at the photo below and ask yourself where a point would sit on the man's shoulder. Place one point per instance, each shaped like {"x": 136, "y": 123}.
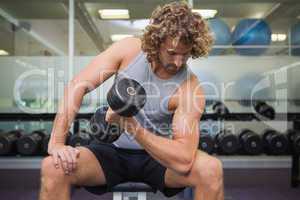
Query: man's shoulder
{"x": 131, "y": 44}
{"x": 127, "y": 49}
{"x": 131, "y": 47}
{"x": 131, "y": 40}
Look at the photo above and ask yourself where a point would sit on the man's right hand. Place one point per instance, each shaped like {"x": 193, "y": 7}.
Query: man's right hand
{"x": 64, "y": 156}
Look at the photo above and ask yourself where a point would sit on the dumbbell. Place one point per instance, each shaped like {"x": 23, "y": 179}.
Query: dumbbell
{"x": 206, "y": 142}
{"x": 227, "y": 143}
{"x": 100, "y": 129}
{"x": 250, "y": 142}
{"x": 31, "y": 144}
{"x": 275, "y": 143}
{"x": 126, "y": 97}
{"x": 264, "y": 109}
{"x": 220, "y": 108}
{"x": 80, "y": 138}
{"x": 294, "y": 140}
{"x": 8, "y": 141}
{"x": 45, "y": 143}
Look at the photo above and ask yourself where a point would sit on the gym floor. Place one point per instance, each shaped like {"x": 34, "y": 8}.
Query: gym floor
{"x": 240, "y": 184}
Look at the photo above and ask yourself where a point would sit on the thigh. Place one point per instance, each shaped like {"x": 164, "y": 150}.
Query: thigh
{"x": 200, "y": 168}
{"x": 89, "y": 172}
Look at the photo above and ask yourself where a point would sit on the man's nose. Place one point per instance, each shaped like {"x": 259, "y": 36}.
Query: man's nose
{"x": 178, "y": 61}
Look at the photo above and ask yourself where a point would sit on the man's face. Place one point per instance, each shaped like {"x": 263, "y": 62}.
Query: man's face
{"x": 173, "y": 55}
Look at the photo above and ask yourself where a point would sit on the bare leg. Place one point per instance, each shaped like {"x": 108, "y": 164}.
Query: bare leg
{"x": 206, "y": 177}
{"x": 55, "y": 184}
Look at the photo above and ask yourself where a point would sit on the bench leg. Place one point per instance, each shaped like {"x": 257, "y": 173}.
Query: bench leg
{"x": 142, "y": 195}
{"x": 117, "y": 196}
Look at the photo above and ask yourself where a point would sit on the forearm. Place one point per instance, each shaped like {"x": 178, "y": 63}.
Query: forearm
{"x": 67, "y": 110}
{"x": 173, "y": 154}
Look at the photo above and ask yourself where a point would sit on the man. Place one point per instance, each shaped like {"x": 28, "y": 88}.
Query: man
{"x": 148, "y": 152}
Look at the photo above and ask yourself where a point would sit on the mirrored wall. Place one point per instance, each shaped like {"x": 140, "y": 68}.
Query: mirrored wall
{"x": 254, "y": 40}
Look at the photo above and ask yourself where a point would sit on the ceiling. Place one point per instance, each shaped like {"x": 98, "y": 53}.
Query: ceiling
{"x": 55, "y": 9}
{"x": 91, "y": 33}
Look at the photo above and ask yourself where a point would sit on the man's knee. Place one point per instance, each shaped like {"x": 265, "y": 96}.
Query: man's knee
{"x": 215, "y": 168}
{"x": 210, "y": 173}
{"x": 51, "y": 175}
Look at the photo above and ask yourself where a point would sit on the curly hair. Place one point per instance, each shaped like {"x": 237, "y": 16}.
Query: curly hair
{"x": 176, "y": 20}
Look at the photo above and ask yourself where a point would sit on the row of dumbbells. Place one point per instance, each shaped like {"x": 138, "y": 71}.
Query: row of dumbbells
{"x": 248, "y": 142}
{"x": 225, "y": 142}
{"x": 260, "y": 107}
{"x": 35, "y": 143}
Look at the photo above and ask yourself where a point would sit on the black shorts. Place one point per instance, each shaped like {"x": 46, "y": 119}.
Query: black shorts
{"x": 128, "y": 165}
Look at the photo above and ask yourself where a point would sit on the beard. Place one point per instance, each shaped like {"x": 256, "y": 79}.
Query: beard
{"x": 172, "y": 68}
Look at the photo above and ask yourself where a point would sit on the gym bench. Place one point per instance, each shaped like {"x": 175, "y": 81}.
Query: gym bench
{"x": 125, "y": 191}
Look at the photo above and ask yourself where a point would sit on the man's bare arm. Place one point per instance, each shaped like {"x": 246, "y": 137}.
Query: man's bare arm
{"x": 100, "y": 69}
{"x": 179, "y": 153}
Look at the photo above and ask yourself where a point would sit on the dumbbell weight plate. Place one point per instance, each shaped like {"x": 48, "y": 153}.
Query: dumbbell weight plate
{"x": 101, "y": 130}
{"x": 251, "y": 142}
{"x": 264, "y": 109}
{"x": 31, "y": 144}
{"x": 81, "y": 138}
{"x": 227, "y": 143}
{"x": 126, "y": 97}
{"x": 206, "y": 143}
{"x": 8, "y": 141}
{"x": 45, "y": 143}
{"x": 220, "y": 108}
{"x": 275, "y": 143}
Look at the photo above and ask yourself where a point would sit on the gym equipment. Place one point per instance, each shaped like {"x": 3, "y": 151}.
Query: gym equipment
{"x": 275, "y": 143}
{"x": 227, "y": 143}
{"x": 206, "y": 142}
{"x": 8, "y": 141}
{"x": 264, "y": 109}
{"x": 296, "y": 143}
{"x": 220, "y": 108}
{"x": 252, "y": 32}
{"x": 45, "y": 144}
{"x": 221, "y": 34}
{"x": 295, "y": 39}
{"x": 31, "y": 144}
{"x": 126, "y": 97}
{"x": 250, "y": 142}
{"x": 294, "y": 140}
{"x": 129, "y": 190}
{"x": 80, "y": 138}
{"x": 100, "y": 129}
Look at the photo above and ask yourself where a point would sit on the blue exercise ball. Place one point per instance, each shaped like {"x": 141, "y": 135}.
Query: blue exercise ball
{"x": 221, "y": 34}
{"x": 251, "y": 32}
{"x": 295, "y": 39}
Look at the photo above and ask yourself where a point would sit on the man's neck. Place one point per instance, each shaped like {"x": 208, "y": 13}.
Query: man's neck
{"x": 160, "y": 71}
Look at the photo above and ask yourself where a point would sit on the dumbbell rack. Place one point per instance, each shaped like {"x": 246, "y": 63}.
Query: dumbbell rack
{"x": 228, "y": 161}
